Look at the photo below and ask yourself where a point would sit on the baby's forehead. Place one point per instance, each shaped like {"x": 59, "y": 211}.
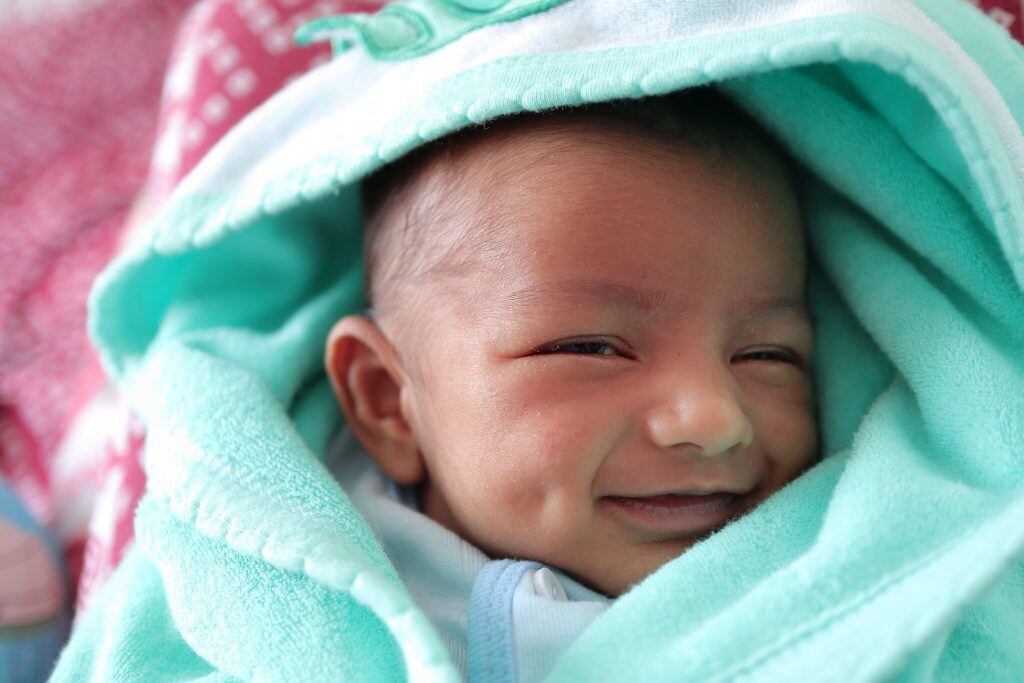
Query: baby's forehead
{"x": 546, "y": 183}
{"x": 441, "y": 210}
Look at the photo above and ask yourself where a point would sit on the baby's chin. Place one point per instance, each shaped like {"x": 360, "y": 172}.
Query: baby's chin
{"x": 617, "y": 571}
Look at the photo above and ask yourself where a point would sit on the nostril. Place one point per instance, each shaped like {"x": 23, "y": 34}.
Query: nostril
{"x": 747, "y": 437}
{"x": 669, "y": 429}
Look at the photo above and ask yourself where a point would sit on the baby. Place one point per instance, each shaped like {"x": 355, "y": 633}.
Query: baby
{"x": 589, "y": 344}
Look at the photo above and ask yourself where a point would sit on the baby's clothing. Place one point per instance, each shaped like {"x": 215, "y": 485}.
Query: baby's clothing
{"x": 501, "y": 620}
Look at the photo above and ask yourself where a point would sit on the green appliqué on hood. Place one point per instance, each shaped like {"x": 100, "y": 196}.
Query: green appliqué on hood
{"x": 410, "y": 28}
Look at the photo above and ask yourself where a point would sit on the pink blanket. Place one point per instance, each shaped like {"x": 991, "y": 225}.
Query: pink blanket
{"x": 103, "y": 110}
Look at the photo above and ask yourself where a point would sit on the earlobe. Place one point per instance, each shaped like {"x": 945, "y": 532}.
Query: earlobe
{"x": 373, "y": 390}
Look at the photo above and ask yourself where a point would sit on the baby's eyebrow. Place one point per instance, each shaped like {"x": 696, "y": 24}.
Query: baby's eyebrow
{"x": 622, "y": 295}
{"x": 605, "y": 291}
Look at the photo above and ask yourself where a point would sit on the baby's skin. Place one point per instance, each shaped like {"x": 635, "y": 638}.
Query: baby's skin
{"x": 615, "y": 373}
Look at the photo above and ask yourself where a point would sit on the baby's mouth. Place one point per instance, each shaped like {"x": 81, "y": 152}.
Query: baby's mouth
{"x": 675, "y": 513}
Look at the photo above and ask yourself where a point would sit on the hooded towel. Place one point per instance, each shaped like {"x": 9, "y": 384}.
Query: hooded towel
{"x": 897, "y": 557}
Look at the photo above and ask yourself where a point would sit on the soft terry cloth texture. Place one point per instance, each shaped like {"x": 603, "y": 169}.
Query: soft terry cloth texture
{"x": 898, "y": 557}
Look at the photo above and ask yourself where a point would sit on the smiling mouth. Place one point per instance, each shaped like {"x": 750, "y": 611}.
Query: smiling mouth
{"x": 674, "y": 513}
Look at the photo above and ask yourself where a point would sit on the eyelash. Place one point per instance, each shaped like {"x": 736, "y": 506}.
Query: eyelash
{"x": 561, "y": 346}
{"x": 781, "y": 356}
{"x": 558, "y": 346}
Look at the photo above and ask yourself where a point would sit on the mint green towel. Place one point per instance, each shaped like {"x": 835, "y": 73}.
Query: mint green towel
{"x": 898, "y": 557}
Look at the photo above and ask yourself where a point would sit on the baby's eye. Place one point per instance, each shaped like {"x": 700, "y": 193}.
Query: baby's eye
{"x": 772, "y": 356}
{"x": 584, "y": 347}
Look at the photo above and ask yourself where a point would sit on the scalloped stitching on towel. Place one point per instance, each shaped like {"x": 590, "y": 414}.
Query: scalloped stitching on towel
{"x": 397, "y": 612}
{"x": 860, "y": 48}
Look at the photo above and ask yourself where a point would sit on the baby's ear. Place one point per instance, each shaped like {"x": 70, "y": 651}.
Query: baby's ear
{"x": 368, "y": 380}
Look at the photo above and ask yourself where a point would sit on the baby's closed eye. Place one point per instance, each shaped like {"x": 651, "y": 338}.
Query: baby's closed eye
{"x": 604, "y": 346}
{"x": 772, "y": 355}
{"x": 586, "y": 346}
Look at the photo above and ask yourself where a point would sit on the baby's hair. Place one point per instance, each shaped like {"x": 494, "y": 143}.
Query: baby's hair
{"x": 409, "y": 231}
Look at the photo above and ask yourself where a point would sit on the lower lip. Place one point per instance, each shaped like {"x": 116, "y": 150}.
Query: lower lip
{"x": 676, "y": 514}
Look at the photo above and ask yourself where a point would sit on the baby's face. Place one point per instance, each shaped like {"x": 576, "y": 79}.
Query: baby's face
{"x": 625, "y": 369}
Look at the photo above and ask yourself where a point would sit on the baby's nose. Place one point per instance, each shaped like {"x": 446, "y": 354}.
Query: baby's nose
{"x": 708, "y": 417}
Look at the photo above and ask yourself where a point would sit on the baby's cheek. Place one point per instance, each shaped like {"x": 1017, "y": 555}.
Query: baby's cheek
{"x": 791, "y": 442}
{"x": 546, "y": 485}
{"x": 542, "y": 449}
{"x": 533, "y": 468}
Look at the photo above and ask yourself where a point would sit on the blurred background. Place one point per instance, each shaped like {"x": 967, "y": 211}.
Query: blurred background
{"x": 104, "y": 106}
